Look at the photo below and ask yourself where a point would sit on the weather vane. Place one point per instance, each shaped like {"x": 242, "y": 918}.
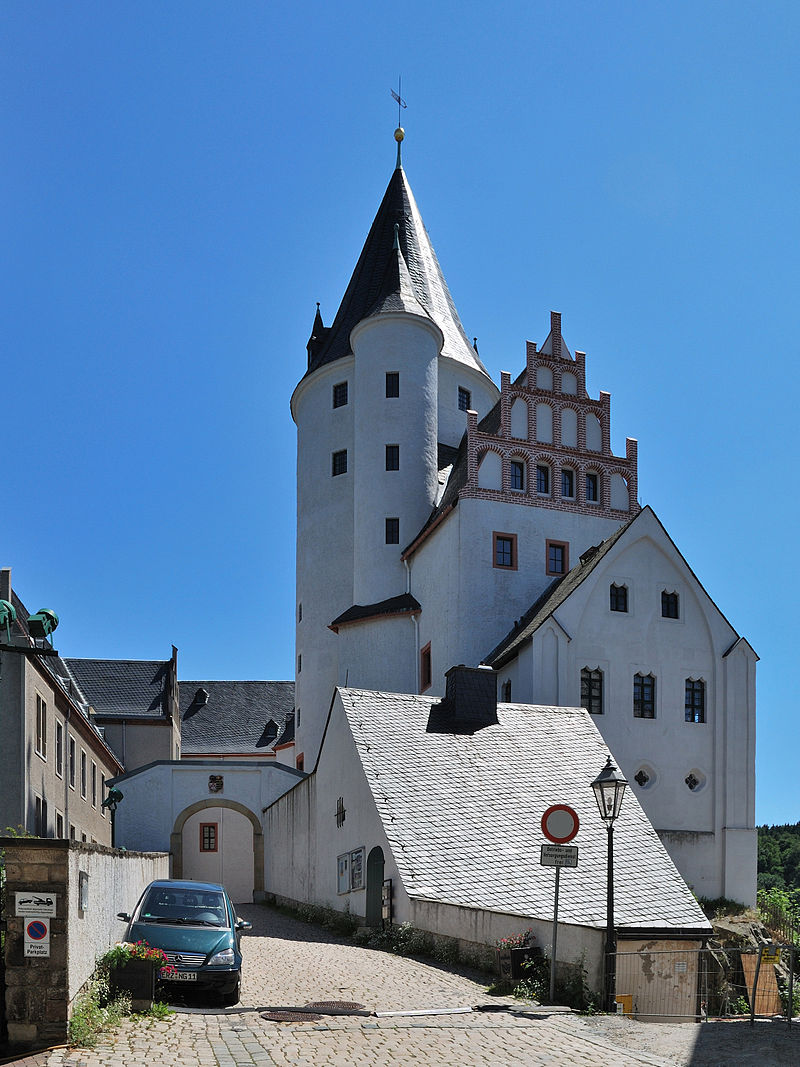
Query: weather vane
{"x": 400, "y": 101}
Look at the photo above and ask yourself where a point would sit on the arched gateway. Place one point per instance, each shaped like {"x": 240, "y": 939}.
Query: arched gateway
{"x": 218, "y": 840}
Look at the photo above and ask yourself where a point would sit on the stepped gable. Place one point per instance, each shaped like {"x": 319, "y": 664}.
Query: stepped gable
{"x": 367, "y": 289}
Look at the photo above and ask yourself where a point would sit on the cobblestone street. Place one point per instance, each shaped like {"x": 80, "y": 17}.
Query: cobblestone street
{"x": 288, "y": 963}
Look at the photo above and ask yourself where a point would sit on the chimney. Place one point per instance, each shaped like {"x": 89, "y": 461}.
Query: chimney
{"x": 5, "y": 584}
{"x": 470, "y": 702}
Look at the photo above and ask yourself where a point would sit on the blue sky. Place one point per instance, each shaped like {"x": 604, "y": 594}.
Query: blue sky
{"x": 182, "y": 182}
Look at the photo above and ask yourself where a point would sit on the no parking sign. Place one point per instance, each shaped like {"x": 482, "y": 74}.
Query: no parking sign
{"x": 37, "y": 937}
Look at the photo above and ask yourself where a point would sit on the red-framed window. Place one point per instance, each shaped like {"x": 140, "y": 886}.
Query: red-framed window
{"x": 209, "y": 837}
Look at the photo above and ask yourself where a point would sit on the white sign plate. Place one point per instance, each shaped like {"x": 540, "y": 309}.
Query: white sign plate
{"x": 559, "y": 856}
{"x": 33, "y": 903}
{"x": 37, "y": 937}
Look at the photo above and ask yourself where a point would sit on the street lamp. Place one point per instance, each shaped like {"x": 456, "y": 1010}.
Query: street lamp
{"x": 608, "y": 788}
{"x": 111, "y": 801}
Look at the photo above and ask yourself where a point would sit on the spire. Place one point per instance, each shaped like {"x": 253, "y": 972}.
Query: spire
{"x": 318, "y": 335}
{"x": 368, "y": 285}
{"x": 397, "y": 292}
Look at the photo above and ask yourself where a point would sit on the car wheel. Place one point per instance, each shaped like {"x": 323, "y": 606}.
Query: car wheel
{"x": 229, "y": 999}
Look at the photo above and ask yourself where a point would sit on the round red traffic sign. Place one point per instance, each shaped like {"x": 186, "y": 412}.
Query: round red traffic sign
{"x": 37, "y": 930}
{"x": 560, "y": 823}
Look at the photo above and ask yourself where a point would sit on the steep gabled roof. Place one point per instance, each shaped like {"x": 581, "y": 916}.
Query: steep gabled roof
{"x": 235, "y": 717}
{"x": 123, "y": 687}
{"x": 372, "y": 285}
{"x": 462, "y": 813}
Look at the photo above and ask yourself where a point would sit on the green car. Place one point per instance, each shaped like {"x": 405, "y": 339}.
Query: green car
{"x": 195, "y": 924}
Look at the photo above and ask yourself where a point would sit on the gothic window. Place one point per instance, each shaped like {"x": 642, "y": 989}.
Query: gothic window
{"x": 592, "y": 690}
{"x": 557, "y": 557}
{"x": 592, "y": 488}
{"x": 517, "y": 475}
{"x": 339, "y": 463}
{"x": 542, "y": 479}
{"x": 644, "y": 696}
{"x": 425, "y": 670}
{"x": 568, "y": 484}
{"x": 393, "y": 457}
{"x": 393, "y": 531}
{"x": 392, "y": 383}
{"x": 619, "y": 598}
{"x": 340, "y": 394}
{"x": 464, "y": 399}
{"x": 669, "y": 605}
{"x": 695, "y": 700}
{"x": 505, "y": 550}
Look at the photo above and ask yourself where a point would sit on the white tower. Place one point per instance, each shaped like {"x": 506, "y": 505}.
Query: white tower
{"x": 381, "y": 407}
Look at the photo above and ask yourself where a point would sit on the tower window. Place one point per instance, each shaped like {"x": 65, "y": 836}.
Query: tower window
{"x": 592, "y": 488}
{"x": 425, "y": 671}
{"x": 506, "y": 692}
{"x": 644, "y": 696}
{"x": 505, "y": 550}
{"x": 669, "y": 605}
{"x": 592, "y": 690}
{"x": 557, "y": 557}
{"x": 300, "y": 612}
{"x": 340, "y": 395}
{"x": 393, "y": 457}
{"x": 299, "y": 663}
{"x": 695, "y": 700}
{"x": 542, "y": 479}
{"x": 568, "y": 484}
{"x": 339, "y": 463}
{"x": 618, "y": 596}
{"x": 392, "y": 531}
{"x": 392, "y": 383}
{"x": 517, "y": 475}
{"x": 464, "y": 399}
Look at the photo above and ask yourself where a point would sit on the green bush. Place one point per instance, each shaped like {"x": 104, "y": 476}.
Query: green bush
{"x": 94, "y": 1012}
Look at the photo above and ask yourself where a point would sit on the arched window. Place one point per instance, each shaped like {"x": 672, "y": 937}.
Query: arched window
{"x": 544, "y": 423}
{"x": 517, "y": 475}
{"x": 569, "y": 384}
{"x": 542, "y": 479}
{"x": 544, "y": 378}
{"x": 619, "y": 493}
{"x": 519, "y": 419}
{"x": 569, "y": 428}
{"x": 594, "y": 435}
{"x": 695, "y": 700}
{"x": 567, "y": 483}
{"x": 490, "y": 471}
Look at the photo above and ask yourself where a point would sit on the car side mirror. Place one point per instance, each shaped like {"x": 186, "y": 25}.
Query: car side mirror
{"x": 243, "y": 924}
{"x": 124, "y": 916}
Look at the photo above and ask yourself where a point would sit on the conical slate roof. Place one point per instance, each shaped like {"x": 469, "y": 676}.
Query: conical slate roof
{"x": 367, "y": 293}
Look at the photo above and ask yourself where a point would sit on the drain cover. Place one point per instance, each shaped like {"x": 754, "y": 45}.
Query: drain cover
{"x": 291, "y": 1016}
{"x": 335, "y": 1007}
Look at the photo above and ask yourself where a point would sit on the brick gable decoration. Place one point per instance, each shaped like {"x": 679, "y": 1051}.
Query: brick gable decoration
{"x": 565, "y": 430}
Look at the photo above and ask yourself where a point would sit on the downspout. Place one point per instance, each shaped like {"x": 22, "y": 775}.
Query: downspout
{"x": 65, "y": 769}
{"x": 415, "y": 620}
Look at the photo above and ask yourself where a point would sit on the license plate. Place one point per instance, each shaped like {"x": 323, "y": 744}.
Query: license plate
{"x": 167, "y": 975}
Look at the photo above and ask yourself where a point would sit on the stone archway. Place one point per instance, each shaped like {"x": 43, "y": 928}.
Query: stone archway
{"x": 176, "y": 839}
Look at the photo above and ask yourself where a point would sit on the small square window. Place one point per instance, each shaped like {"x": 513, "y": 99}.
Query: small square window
{"x": 340, "y": 395}
{"x": 392, "y": 383}
{"x": 592, "y": 489}
{"x": 393, "y": 457}
{"x": 568, "y": 484}
{"x": 644, "y": 696}
{"x": 208, "y": 837}
{"x": 669, "y": 605}
{"x": 695, "y": 700}
{"x": 464, "y": 399}
{"x": 557, "y": 557}
{"x": 618, "y": 598}
{"x": 517, "y": 475}
{"x": 425, "y": 668}
{"x": 392, "y": 531}
{"x": 505, "y": 551}
{"x": 542, "y": 479}
{"x": 339, "y": 463}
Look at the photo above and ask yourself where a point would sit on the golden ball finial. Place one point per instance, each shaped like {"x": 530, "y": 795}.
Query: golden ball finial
{"x": 399, "y": 134}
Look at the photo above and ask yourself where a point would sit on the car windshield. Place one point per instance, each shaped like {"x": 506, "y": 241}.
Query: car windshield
{"x": 168, "y": 904}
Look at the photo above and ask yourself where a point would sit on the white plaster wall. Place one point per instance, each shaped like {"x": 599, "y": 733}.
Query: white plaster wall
{"x": 232, "y": 863}
{"x": 410, "y": 345}
{"x": 155, "y": 796}
{"x": 379, "y": 654}
{"x": 324, "y": 540}
{"x": 484, "y": 394}
{"x": 116, "y": 881}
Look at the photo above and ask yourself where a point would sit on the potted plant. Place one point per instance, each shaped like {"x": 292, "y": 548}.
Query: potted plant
{"x": 515, "y": 950}
{"x": 132, "y": 968}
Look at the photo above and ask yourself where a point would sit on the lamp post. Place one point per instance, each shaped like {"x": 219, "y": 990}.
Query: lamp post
{"x": 111, "y": 801}
{"x": 608, "y": 788}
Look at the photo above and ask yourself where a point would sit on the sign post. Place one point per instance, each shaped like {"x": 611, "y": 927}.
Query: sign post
{"x": 560, "y": 824}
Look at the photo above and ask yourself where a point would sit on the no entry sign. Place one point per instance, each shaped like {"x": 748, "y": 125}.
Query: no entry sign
{"x": 560, "y": 823}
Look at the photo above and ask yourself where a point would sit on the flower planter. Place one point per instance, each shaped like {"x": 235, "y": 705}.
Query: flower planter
{"x": 510, "y": 960}
{"x": 137, "y": 977}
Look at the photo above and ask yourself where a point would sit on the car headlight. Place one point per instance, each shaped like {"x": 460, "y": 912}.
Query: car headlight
{"x": 222, "y": 959}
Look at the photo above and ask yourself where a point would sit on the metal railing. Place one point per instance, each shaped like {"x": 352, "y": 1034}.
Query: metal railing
{"x": 700, "y": 984}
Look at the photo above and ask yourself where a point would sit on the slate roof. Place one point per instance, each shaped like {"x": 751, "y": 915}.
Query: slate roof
{"x": 555, "y": 594}
{"x": 462, "y": 814}
{"x": 371, "y": 284}
{"x": 404, "y": 604}
{"x": 239, "y": 717}
{"x": 133, "y": 688}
